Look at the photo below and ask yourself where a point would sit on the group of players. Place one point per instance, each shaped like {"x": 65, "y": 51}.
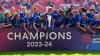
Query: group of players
{"x": 81, "y": 18}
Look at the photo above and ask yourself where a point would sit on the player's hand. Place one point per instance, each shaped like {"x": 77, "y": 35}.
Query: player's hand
{"x": 37, "y": 30}
{"x": 84, "y": 29}
{"x": 93, "y": 32}
{"x": 93, "y": 27}
{"x": 29, "y": 33}
{"x": 44, "y": 28}
{"x": 66, "y": 26}
{"x": 61, "y": 26}
{"x": 10, "y": 25}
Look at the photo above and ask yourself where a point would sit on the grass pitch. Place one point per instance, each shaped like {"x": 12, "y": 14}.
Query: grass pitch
{"x": 50, "y": 53}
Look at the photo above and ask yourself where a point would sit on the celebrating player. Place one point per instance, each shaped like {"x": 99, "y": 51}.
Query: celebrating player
{"x": 41, "y": 22}
{"x": 36, "y": 14}
{"x": 69, "y": 16}
{"x": 7, "y": 22}
{"x": 12, "y": 12}
{"x": 94, "y": 24}
{"x": 17, "y": 22}
{"x": 59, "y": 20}
{"x": 73, "y": 21}
{"x": 27, "y": 22}
{"x": 92, "y": 12}
{"x": 22, "y": 13}
{"x": 50, "y": 18}
{"x": 84, "y": 22}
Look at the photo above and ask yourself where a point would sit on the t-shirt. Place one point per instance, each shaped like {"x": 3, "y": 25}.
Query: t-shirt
{"x": 40, "y": 22}
{"x": 28, "y": 21}
{"x": 17, "y": 23}
{"x": 84, "y": 22}
{"x": 1, "y": 18}
{"x": 7, "y": 22}
{"x": 59, "y": 20}
{"x": 72, "y": 22}
{"x": 95, "y": 23}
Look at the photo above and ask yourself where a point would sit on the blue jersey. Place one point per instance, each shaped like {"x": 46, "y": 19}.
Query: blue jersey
{"x": 80, "y": 14}
{"x": 22, "y": 15}
{"x": 96, "y": 12}
{"x": 95, "y": 23}
{"x": 55, "y": 12}
{"x": 17, "y": 23}
{"x": 40, "y": 22}
{"x": 7, "y": 21}
{"x": 84, "y": 22}
{"x": 66, "y": 20}
{"x": 59, "y": 20}
{"x": 36, "y": 16}
{"x": 77, "y": 17}
{"x": 90, "y": 15}
{"x": 72, "y": 22}
{"x": 28, "y": 21}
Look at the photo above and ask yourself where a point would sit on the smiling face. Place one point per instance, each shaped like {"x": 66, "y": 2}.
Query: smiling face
{"x": 69, "y": 15}
{"x": 59, "y": 12}
{"x": 23, "y": 9}
{"x": 28, "y": 14}
{"x": 96, "y": 17}
{"x": 36, "y": 10}
{"x": 7, "y": 15}
{"x": 72, "y": 7}
{"x": 75, "y": 12}
{"x": 12, "y": 10}
{"x": 92, "y": 11}
{"x": 2, "y": 10}
{"x": 17, "y": 17}
{"x": 84, "y": 16}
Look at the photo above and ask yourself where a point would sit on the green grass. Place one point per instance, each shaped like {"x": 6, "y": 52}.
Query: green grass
{"x": 49, "y": 53}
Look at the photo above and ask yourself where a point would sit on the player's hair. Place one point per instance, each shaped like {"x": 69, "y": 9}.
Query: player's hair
{"x": 96, "y": 15}
{"x": 83, "y": 9}
{"x": 49, "y": 9}
{"x": 27, "y": 13}
{"x": 42, "y": 16}
{"x": 23, "y": 7}
{"x": 12, "y": 8}
{"x": 16, "y": 16}
{"x": 0, "y": 8}
{"x": 71, "y": 6}
{"x": 70, "y": 14}
{"x": 6, "y": 14}
{"x": 83, "y": 13}
{"x": 34, "y": 8}
{"x": 74, "y": 11}
{"x": 92, "y": 10}
{"x": 61, "y": 11}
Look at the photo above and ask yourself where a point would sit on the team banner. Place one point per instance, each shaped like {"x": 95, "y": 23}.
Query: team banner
{"x": 51, "y": 39}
